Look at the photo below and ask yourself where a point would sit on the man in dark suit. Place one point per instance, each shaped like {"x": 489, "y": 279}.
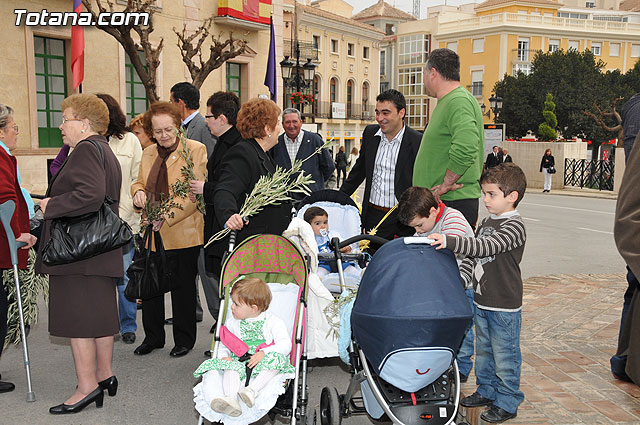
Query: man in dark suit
{"x": 494, "y": 158}
{"x": 295, "y": 144}
{"x": 222, "y": 113}
{"x": 186, "y": 97}
{"x": 505, "y": 156}
{"x": 386, "y": 161}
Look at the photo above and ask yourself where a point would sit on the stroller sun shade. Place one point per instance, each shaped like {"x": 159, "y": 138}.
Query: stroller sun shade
{"x": 411, "y": 313}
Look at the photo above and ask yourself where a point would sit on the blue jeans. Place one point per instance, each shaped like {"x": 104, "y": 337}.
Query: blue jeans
{"x": 466, "y": 349}
{"x": 126, "y": 309}
{"x": 498, "y": 357}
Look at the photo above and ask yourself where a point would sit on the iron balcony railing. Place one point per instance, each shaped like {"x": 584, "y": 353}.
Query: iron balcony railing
{"x": 587, "y": 173}
{"x": 307, "y": 51}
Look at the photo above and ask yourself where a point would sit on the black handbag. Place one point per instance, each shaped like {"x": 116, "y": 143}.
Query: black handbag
{"x": 85, "y": 236}
{"x": 551, "y": 170}
{"x": 152, "y": 273}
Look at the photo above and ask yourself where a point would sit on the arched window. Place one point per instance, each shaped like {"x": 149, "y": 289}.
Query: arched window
{"x": 349, "y": 98}
{"x": 333, "y": 90}
{"x": 365, "y": 99}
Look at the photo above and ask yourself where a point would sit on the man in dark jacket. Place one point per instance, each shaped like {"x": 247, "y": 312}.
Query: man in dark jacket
{"x": 222, "y": 111}
{"x": 388, "y": 172}
{"x": 494, "y": 158}
{"x": 630, "y": 123}
{"x": 298, "y": 144}
{"x": 186, "y": 97}
{"x": 625, "y": 365}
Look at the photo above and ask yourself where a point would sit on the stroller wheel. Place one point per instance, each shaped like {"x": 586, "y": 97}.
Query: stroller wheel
{"x": 330, "y": 409}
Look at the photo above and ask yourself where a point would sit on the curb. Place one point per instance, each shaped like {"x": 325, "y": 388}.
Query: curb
{"x": 586, "y": 193}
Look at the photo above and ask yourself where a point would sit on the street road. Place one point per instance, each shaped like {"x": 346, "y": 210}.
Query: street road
{"x": 565, "y": 235}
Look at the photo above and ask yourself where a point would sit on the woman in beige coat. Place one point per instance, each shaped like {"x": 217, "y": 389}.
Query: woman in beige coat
{"x": 182, "y": 233}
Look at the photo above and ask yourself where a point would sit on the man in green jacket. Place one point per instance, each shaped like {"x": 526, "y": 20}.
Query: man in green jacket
{"x": 450, "y": 157}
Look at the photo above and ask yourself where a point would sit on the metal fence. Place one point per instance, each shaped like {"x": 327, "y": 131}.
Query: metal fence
{"x": 588, "y": 173}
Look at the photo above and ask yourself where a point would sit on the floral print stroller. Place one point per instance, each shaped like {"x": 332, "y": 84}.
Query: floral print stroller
{"x": 279, "y": 263}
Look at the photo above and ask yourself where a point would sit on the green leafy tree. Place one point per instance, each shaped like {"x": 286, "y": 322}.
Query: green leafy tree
{"x": 547, "y": 130}
{"x": 517, "y": 112}
{"x": 577, "y": 81}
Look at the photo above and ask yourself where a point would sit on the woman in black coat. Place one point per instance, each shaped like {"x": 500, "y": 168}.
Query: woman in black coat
{"x": 242, "y": 166}
{"x": 341, "y": 165}
{"x": 547, "y": 163}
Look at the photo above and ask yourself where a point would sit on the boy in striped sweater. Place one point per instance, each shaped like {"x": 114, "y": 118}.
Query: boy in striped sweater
{"x": 492, "y": 263}
{"x": 419, "y": 209}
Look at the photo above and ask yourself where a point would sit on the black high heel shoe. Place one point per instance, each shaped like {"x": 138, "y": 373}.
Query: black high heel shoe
{"x": 96, "y": 395}
{"x": 110, "y": 385}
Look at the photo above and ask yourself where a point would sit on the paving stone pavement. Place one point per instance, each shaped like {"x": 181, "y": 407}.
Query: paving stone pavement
{"x": 569, "y": 331}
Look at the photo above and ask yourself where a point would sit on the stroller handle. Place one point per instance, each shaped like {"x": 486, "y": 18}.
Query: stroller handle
{"x": 358, "y": 238}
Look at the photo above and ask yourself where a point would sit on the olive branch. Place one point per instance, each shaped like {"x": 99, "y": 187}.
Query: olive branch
{"x": 274, "y": 189}
{"x": 181, "y": 187}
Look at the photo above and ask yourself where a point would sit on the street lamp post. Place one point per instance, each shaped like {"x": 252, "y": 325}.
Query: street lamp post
{"x": 495, "y": 105}
{"x": 302, "y": 78}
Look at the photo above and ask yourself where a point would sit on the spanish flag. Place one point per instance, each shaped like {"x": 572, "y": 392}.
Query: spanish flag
{"x": 249, "y": 10}
{"x": 77, "y": 48}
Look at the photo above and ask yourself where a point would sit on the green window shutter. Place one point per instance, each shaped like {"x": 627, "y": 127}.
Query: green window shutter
{"x": 51, "y": 88}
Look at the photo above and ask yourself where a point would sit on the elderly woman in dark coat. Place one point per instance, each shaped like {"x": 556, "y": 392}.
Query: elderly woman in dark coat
{"x": 82, "y": 297}
{"x": 242, "y": 166}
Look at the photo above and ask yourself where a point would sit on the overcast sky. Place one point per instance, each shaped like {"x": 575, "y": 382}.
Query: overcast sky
{"x": 406, "y": 5}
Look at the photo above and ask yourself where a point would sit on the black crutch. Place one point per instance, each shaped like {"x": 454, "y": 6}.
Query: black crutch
{"x": 6, "y": 212}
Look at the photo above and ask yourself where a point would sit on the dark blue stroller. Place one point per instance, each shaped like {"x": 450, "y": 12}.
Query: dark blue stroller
{"x": 408, "y": 321}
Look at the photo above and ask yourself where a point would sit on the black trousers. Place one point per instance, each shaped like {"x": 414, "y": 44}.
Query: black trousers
{"x": 468, "y": 208}
{"x": 342, "y": 171}
{"x": 183, "y": 304}
{"x": 4, "y": 310}
{"x": 390, "y": 229}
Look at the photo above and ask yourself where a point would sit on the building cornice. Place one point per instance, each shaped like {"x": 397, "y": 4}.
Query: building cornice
{"x": 325, "y": 24}
{"x": 513, "y": 22}
{"x": 498, "y": 4}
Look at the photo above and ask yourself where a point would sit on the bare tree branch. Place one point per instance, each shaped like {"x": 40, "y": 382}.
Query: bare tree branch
{"x": 599, "y": 119}
{"x": 122, "y": 33}
{"x": 219, "y": 52}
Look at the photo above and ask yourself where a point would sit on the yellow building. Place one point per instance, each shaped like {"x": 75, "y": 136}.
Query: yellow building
{"x": 36, "y": 73}
{"x": 347, "y": 77}
{"x": 499, "y": 37}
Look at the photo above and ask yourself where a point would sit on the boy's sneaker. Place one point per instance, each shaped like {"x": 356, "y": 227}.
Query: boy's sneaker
{"x": 227, "y": 406}
{"x": 475, "y": 400}
{"x": 497, "y": 415}
{"x": 248, "y": 396}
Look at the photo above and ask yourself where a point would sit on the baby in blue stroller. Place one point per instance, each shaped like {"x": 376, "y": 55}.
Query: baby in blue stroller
{"x": 318, "y": 218}
{"x": 336, "y": 211}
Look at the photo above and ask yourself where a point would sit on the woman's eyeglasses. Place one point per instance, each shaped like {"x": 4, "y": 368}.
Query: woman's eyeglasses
{"x": 160, "y": 131}
{"x": 64, "y": 119}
